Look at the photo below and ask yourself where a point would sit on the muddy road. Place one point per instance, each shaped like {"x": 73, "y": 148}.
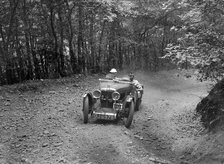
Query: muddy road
{"x": 42, "y": 122}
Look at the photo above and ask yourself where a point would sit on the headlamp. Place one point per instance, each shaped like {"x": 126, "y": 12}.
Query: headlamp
{"x": 96, "y": 94}
{"x": 115, "y": 96}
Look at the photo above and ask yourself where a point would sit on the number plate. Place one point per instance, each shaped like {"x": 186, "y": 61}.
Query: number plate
{"x": 105, "y": 116}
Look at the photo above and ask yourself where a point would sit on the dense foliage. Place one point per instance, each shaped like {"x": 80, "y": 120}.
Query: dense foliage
{"x": 54, "y": 38}
{"x": 201, "y": 38}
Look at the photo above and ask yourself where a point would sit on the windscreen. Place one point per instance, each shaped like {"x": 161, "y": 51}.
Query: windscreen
{"x": 113, "y": 84}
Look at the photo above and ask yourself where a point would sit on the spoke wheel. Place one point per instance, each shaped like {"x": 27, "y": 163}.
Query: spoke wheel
{"x": 128, "y": 120}
{"x": 138, "y": 103}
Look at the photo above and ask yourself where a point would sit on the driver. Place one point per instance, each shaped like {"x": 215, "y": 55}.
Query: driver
{"x": 134, "y": 81}
{"x": 112, "y": 74}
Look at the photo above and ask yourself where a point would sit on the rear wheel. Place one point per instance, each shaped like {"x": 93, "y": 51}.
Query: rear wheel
{"x": 138, "y": 103}
{"x": 85, "y": 109}
{"x": 128, "y": 120}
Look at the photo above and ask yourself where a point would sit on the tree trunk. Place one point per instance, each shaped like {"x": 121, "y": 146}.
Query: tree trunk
{"x": 81, "y": 58}
{"x": 92, "y": 47}
{"x": 62, "y": 60}
{"x": 73, "y": 60}
{"x": 28, "y": 51}
{"x": 120, "y": 55}
{"x": 19, "y": 66}
{"x": 100, "y": 43}
{"x": 2, "y": 78}
{"x": 55, "y": 63}
{"x": 3, "y": 58}
{"x": 9, "y": 74}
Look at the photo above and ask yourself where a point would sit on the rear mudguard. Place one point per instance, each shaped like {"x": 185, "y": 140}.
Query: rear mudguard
{"x": 139, "y": 94}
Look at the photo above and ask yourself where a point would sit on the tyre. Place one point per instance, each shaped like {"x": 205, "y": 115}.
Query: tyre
{"x": 138, "y": 103}
{"x": 85, "y": 109}
{"x": 129, "y": 118}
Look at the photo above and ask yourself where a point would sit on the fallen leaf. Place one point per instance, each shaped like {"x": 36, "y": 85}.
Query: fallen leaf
{"x": 52, "y": 92}
{"x": 139, "y": 137}
{"x": 46, "y": 132}
{"x": 125, "y": 132}
{"x": 58, "y": 144}
{"x": 45, "y": 145}
{"x": 7, "y": 104}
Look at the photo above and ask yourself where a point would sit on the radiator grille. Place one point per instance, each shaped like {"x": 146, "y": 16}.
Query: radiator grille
{"x": 106, "y": 99}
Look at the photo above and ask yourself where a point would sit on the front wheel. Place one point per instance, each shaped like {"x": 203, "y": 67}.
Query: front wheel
{"x": 129, "y": 118}
{"x": 85, "y": 109}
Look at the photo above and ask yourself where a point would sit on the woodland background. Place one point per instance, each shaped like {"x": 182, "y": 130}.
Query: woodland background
{"x": 55, "y": 38}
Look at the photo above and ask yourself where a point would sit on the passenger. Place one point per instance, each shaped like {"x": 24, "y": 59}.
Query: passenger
{"x": 112, "y": 74}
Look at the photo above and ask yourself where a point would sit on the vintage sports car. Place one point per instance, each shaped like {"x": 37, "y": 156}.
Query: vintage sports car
{"x": 115, "y": 99}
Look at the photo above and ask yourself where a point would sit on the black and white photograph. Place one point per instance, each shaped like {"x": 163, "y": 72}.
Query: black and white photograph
{"x": 111, "y": 82}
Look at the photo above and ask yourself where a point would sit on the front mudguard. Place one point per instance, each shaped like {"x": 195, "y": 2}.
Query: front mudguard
{"x": 128, "y": 101}
{"x": 126, "y": 106}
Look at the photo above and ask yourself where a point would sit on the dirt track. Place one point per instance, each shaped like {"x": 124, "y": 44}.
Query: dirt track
{"x": 45, "y": 125}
